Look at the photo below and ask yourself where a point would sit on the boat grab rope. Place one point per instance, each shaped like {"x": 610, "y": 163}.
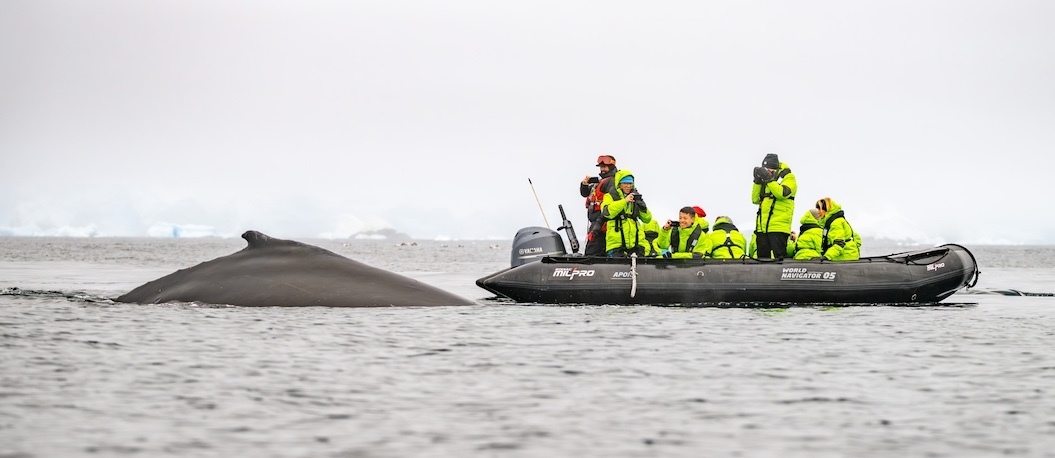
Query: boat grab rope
{"x": 633, "y": 274}
{"x": 924, "y": 255}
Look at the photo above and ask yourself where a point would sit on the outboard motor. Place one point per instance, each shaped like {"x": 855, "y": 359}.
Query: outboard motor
{"x": 535, "y": 243}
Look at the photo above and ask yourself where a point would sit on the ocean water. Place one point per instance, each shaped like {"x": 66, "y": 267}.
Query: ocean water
{"x": 83, "y": 376}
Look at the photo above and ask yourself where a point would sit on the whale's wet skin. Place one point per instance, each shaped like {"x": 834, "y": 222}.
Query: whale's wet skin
{"x": 272, "y": 271}
{"x": 83, "y": 376}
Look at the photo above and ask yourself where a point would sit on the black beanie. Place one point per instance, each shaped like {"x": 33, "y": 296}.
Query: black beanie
{"x": 771, "y": 162}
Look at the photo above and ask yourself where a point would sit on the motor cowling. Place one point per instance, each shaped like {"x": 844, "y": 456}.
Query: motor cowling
{"x": 534, "y": 243}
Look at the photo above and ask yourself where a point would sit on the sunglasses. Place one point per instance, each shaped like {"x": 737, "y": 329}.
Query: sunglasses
{"x": 607, "y": 160}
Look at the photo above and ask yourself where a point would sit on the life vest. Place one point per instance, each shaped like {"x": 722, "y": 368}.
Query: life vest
{"x": 828, "y": 224}
{"x": 805, "y": 227}
{"x": 694, "y": 237}
{"x": 593, "y": 201}
{"x": 593, "y": 206}
{"x": 728, "y": 244}
{"x": 623, "y": 216}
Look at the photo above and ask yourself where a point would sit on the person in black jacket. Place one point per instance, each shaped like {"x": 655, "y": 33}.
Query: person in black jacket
{"x": 593, "y": 188}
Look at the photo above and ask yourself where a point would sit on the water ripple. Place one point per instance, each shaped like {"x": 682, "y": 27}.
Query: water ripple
{"x": 89, "y": 377}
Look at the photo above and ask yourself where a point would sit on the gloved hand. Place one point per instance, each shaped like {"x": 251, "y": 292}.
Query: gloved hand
{"x": 640, "y": 201}
{"x": 762, "y": 175}
{"x": 841, "y": 243}
{"x": 770, "y": 176}
{"x": 666, "y": 254}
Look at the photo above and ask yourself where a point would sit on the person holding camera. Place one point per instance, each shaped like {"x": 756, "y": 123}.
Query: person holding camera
{"x": 773, "y": 191}
{"x": 680, "y": 239}
{"x": 625, "y": 213}
{"x": 593, "y": 189}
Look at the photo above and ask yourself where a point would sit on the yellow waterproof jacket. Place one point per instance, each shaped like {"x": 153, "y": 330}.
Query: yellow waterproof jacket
{"x": 811, "y": 237}
{"x": 840, "y": 242}
{"x": 725, "y": 241}
{"x": 702, "y": 222}
{"x": 652, "y": 231}
{"x": 684, "y": 243}
{"x": 625, "y": 232}
{"x": 776, "y": 202}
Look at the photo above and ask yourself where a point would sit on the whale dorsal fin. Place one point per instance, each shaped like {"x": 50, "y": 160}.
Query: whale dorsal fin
{"x": 262, "y": 240}
{"x": 257, "y": 239}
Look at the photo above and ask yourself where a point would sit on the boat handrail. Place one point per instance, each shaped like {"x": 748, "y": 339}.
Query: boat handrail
{"x": 912, "y": 256}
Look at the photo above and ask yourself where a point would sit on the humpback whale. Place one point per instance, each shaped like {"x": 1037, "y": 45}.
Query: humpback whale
{"x": 276, "y": 272}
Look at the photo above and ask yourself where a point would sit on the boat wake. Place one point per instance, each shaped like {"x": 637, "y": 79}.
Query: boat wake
{"x": 1008, "y": 292}
{"x": 40, "y": 294}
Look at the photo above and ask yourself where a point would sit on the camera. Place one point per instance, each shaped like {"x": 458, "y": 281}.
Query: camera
{"x": 762, "y": 175}
{"x": 673, "y": 223}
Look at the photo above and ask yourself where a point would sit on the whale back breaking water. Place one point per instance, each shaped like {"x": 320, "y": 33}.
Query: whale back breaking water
{"x": 276, "y": 272}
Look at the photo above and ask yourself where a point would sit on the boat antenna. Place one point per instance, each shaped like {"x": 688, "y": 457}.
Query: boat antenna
{"x": 539, "y": 203}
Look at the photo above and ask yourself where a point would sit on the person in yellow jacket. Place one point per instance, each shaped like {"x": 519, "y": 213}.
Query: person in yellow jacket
{"x": 682, "y": 239}
{"x": 626, "y": 212}
{"x": 701, "y": 218}
{"x": 839, "y": 242}
{"x": 651, "y": 237}
{"x": 807, "y": 244}
{"x": 725, "y": 241}
{"x": 773, "y": 191}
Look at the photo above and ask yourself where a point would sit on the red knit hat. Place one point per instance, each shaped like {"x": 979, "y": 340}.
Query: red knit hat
{"x": 700, "y": 212}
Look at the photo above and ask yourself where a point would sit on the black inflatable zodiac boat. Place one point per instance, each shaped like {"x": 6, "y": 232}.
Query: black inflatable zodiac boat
{"x": 542, "y": 272}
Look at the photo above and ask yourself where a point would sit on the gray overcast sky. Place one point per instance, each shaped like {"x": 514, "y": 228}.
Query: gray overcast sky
{"x": 931, "y": 120}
